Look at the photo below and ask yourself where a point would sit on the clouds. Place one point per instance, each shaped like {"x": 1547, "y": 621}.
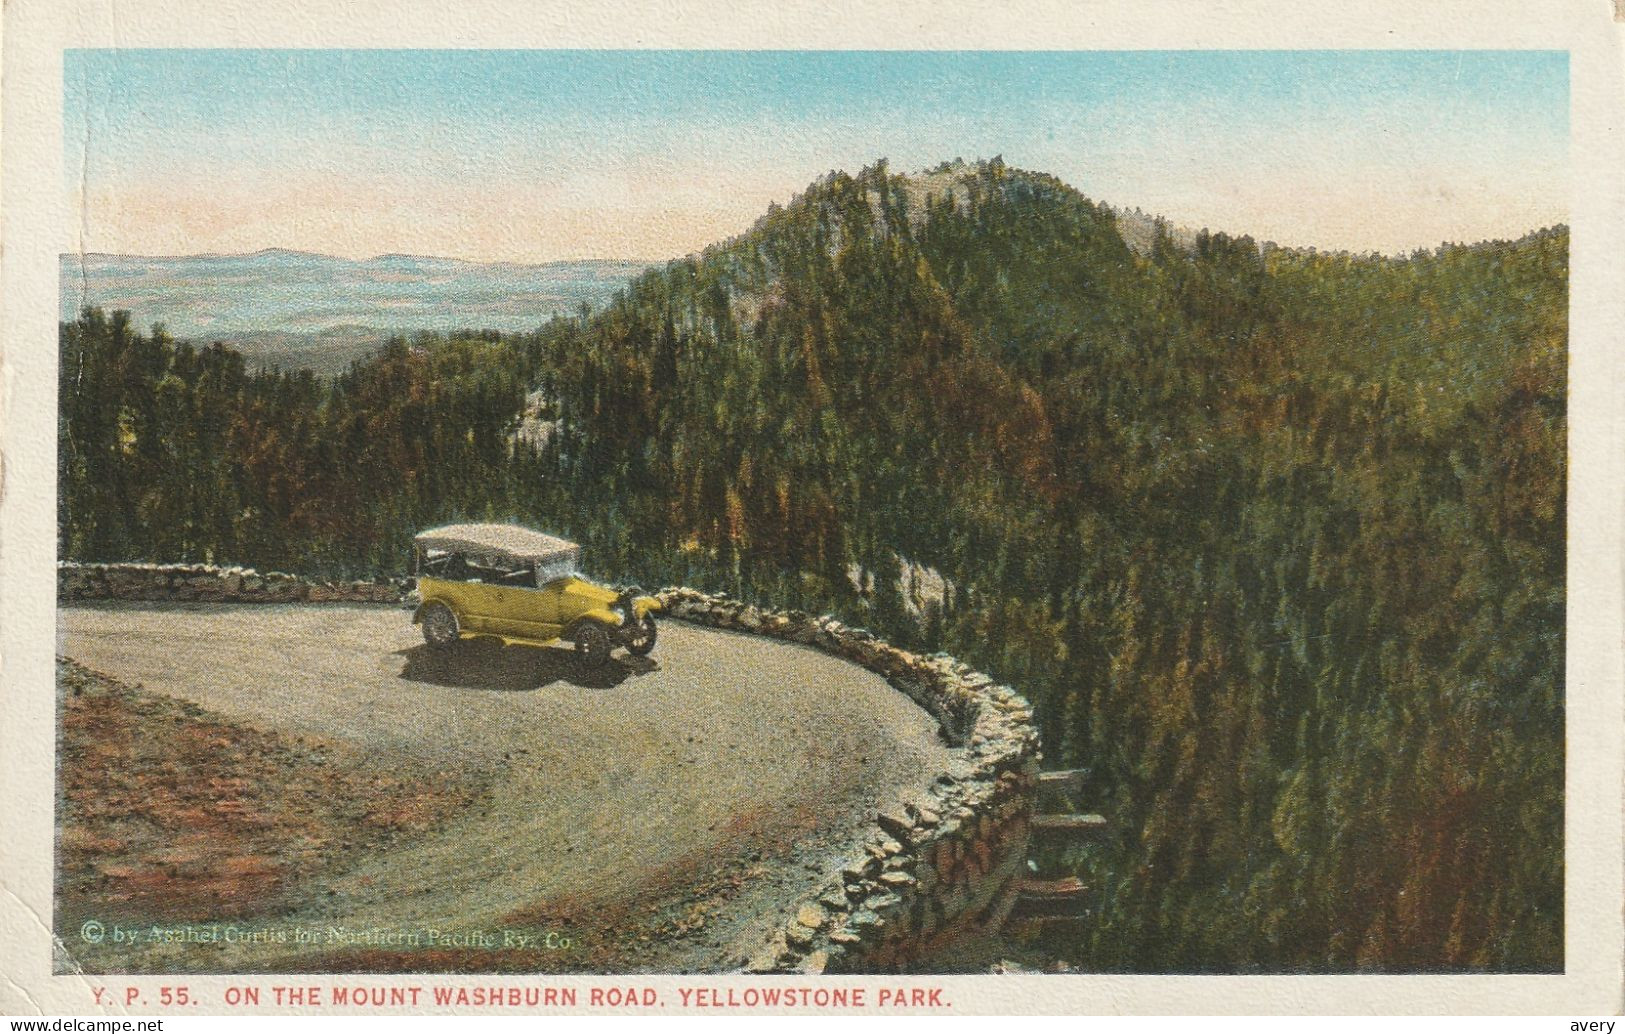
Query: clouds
{"x": 554, "y": 155}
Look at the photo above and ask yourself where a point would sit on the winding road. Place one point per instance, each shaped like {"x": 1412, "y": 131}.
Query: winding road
{"x": 626, "y": 787}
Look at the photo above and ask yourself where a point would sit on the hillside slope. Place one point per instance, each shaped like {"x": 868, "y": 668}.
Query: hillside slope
{"x": 1273, "y": 539}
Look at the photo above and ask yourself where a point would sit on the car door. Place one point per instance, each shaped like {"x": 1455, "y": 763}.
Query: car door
{"x": 520, "y": 612}
{"x": 470, "y": 600}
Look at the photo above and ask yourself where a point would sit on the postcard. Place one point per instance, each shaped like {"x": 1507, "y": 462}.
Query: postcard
{"x": 519, "y": 508}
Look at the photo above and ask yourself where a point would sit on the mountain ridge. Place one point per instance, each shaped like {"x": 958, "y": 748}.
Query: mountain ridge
{"x": 278, "y": 252}
{"x": 297, "y": 309}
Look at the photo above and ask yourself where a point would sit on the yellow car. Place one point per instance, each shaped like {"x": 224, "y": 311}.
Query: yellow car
{"x": 521, "y": 586}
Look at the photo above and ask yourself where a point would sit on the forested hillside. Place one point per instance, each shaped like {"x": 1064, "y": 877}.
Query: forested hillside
{"x": 1272, "y": 539}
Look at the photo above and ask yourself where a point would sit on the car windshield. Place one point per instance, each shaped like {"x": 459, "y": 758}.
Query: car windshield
{"x": 458, "y": 567}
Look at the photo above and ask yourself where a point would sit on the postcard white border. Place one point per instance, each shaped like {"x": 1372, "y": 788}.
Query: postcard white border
{"x": 34, "y": 221}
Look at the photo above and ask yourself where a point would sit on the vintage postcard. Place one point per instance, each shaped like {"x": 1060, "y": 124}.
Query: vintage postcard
{"x": 977, "y": 512}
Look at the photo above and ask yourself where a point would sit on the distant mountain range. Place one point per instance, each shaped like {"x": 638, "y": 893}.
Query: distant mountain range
{"x": 300, "y": 309}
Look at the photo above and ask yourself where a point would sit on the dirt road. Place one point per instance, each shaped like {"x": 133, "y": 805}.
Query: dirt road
{"x": 698, "y": 789}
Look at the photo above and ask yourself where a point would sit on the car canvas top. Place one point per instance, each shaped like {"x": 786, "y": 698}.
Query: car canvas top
{"x": 495, "y": 544}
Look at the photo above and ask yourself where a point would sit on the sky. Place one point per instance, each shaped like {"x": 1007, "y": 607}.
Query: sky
{"x": 536, "y": 156}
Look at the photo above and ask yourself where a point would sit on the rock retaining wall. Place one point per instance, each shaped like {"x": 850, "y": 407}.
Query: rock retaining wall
{"x": 208, "y": 583}
{"x": 932, "y": 871}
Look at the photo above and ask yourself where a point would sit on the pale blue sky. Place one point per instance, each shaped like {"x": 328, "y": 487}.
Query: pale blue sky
{"x": 540, "y": 155}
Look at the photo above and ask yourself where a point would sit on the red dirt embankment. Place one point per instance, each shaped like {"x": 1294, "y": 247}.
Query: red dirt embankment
{"x": 167, "y": 811}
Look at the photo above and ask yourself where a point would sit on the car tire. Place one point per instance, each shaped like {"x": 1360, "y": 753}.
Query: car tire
{"x": 592, "y": 645}
{"x": 440, "y": 627}
{"x": 644, "y": 639}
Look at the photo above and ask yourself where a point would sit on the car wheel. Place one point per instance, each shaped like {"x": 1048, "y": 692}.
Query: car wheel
{"x": 592, "y": 645}
{"x": 643, "y": 640}
{"x": 439, "y": 626}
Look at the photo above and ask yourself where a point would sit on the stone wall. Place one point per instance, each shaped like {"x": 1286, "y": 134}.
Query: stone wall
{"x": 208, "y": 583}
{"x": 932, "y": 872}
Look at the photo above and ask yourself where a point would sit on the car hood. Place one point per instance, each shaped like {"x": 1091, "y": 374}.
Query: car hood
{"x": 590, "y": 593}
